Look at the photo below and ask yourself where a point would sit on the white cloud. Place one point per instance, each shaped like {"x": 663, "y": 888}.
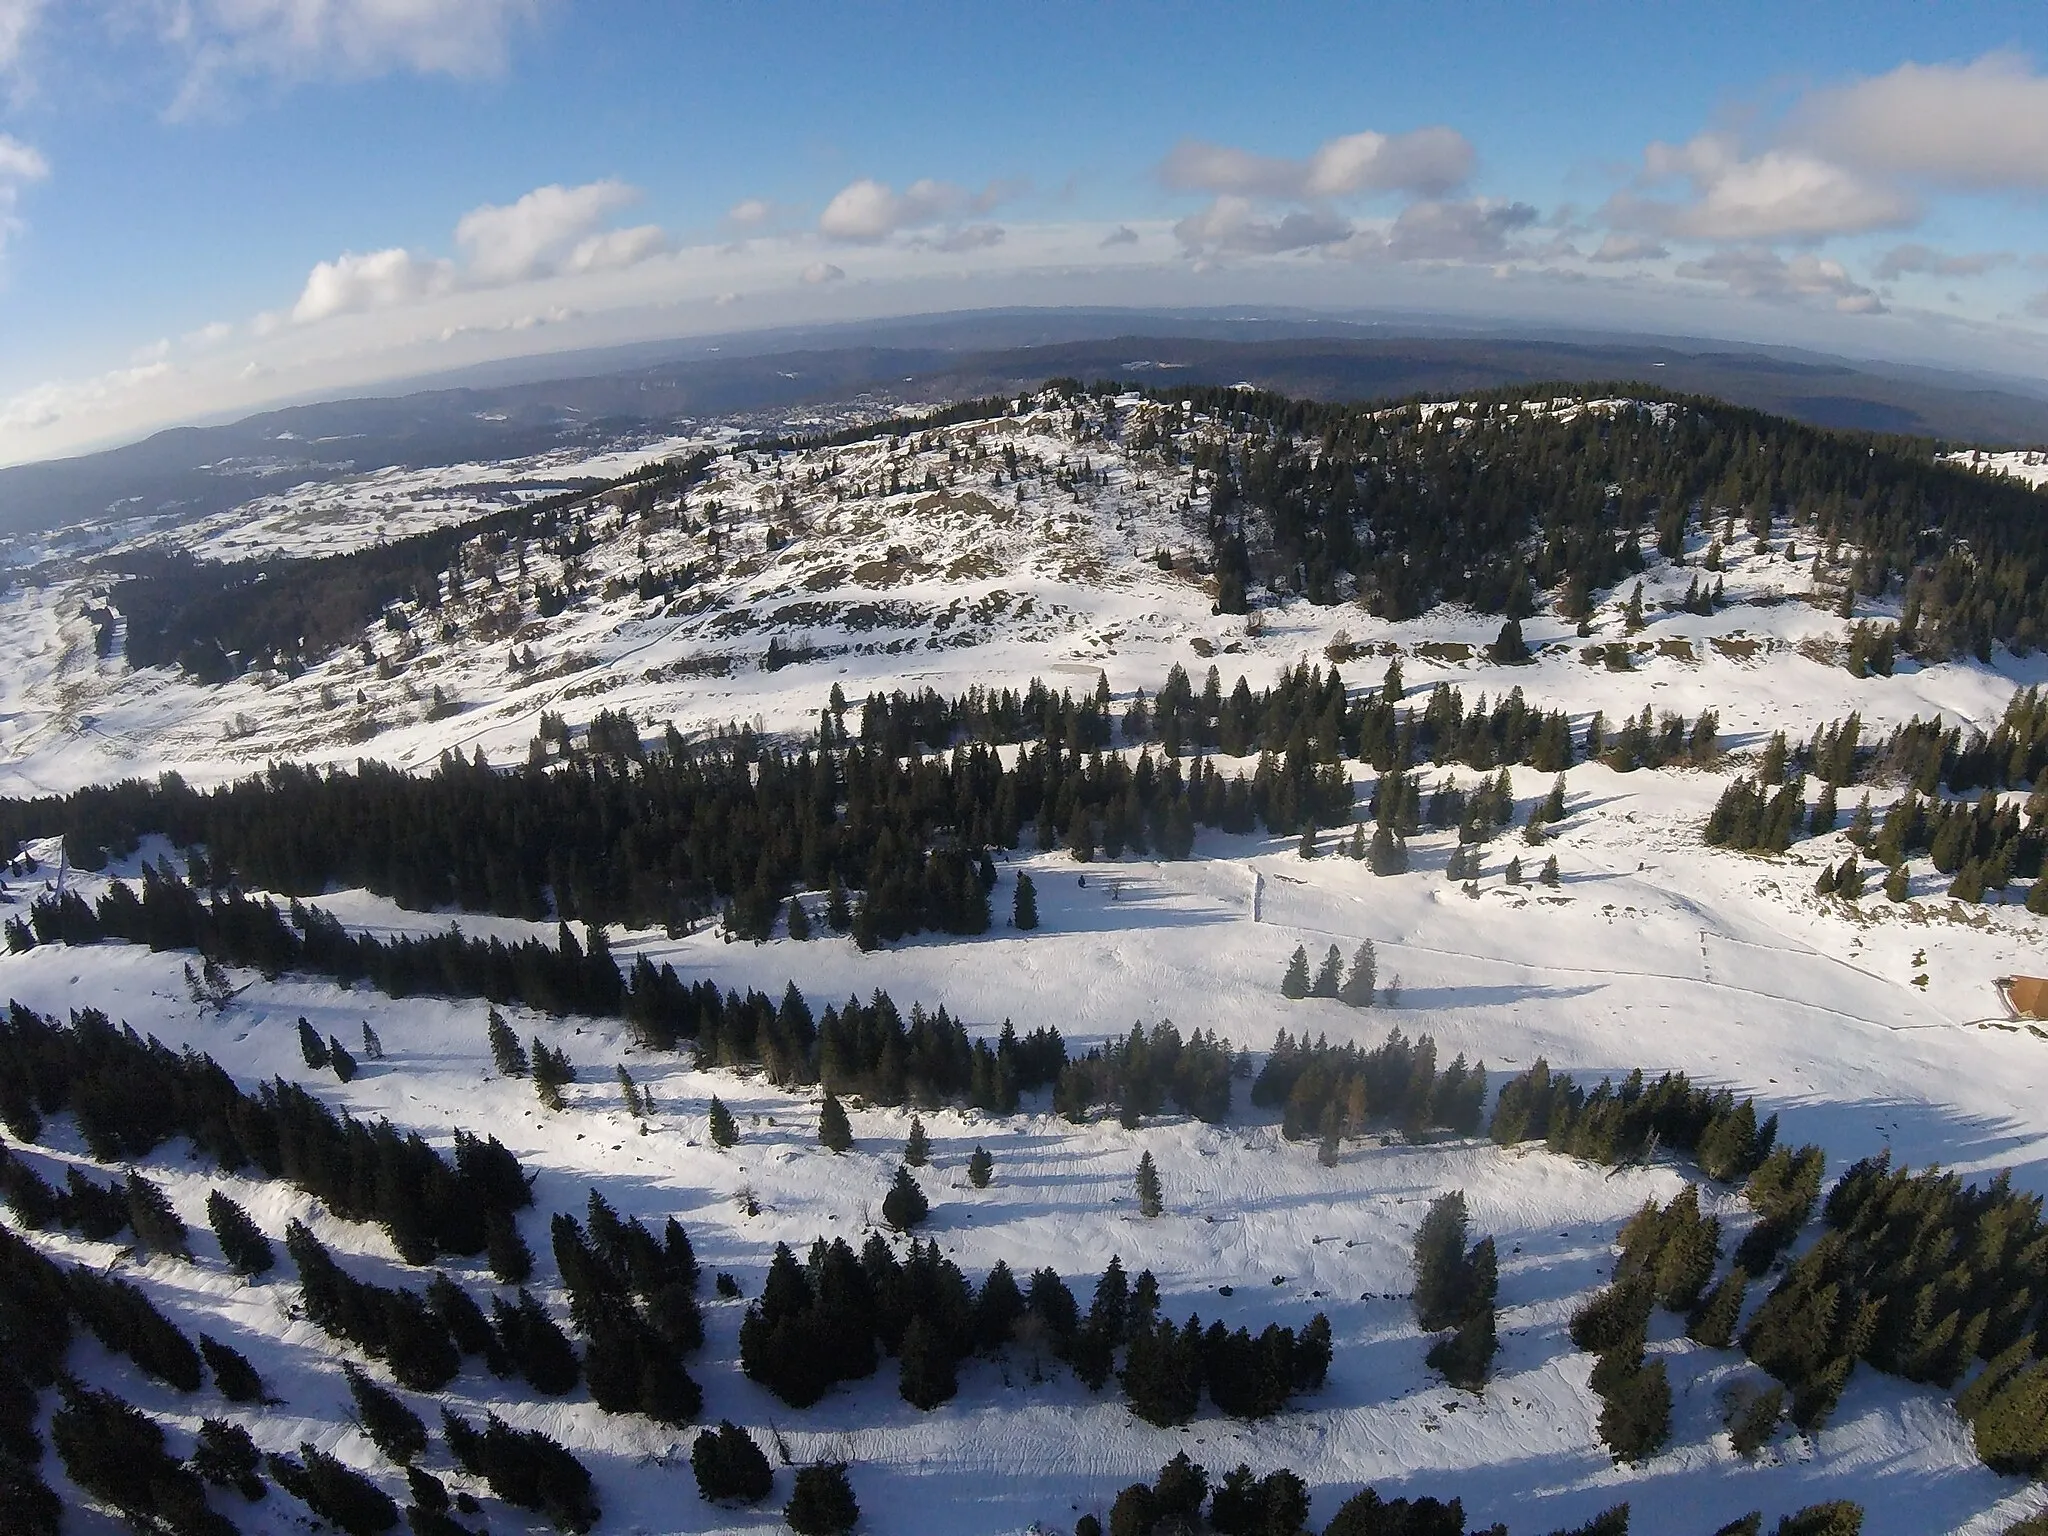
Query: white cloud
{"x": 539, "y": 233}
{"x": 971, "y": 237}
{"x": 1456, "y": 231}
{"x": 20, "y": 164}
{"x": 1779, "y": 194}
{"x": 617, "y": 248}
{"x": 750, "y": 213}
{"x": 1231, "y": 224}
{"x": 1924, "y": 259}
{"x": 378, "y": 280}
{"x": 1628, "y": 248}
{"x": 1756, "y": 273}
{"x": 819, "y": 272}
{"x": 1981, "y": 125}
{"x": 1123, "y": 234}
{"x": 46, "y": 405}
{"x": 17, "y": 20}
{"x": 1428, "y": 162}
{"x": 312, "y": 39}
{"x": 868, "y": 210}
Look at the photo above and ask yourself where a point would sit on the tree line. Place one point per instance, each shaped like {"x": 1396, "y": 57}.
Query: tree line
{"x": 835, "y": 1316}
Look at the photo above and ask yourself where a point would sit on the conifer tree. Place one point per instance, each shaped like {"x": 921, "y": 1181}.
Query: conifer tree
{"x": 980, "y": 1168}
{"x": 1754, "y": 1421}
{"x": 629, "y": 1094}
{"x": 730, "y": 1466}
{"x": 1388, "y": 854}
{"x": 1712, "y": 1320}
{"x": 507, "y": 1054}
{"x": 373, "y": 1043}
{"x": 343, "y": 1063}
{"x": 151, "y": 1219}
{"x": 1549, "y": 875}
{"x": 905, "y": 1206}
{"x": 1151, "y": 1200}
{"x": 392, "y": 1427}
{"x": 312, "y": 1049}
{"x": 725, "y": 1131}
{"x": 835, "y": 1131}
{"x": 916, "y": 1147}
{"x": 822, "y": 1503}
{"x": 551, "y": 1074}
{"x": 232, "y": 1373}
{"x": 838, "y": 916}
{"x": 225, "y": 1456}
{"x": 1024, "y": 909}
{"x": 1329, "y": 976}
{"x": 1295, "y": 983}
{"x": 1308, "y": 847}
{"x": 799, "y": 919}
{"x": 505, "y": 1250}
{"x": 928, "y": 1375}
{"x": 1362, "y": 980}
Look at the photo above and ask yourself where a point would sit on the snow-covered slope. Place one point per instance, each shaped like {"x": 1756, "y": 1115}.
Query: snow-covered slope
{"x": 1863, "y": 1026}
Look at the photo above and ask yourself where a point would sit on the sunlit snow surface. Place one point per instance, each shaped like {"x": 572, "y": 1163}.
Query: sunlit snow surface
{"x": 1653, "y": 951}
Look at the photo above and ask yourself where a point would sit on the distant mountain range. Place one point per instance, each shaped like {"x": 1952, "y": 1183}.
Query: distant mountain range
{"x": 501, "y": 411}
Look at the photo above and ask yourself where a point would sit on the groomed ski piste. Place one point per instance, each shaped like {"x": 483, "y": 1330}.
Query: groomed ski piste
{"x": 1864, "y": 1026}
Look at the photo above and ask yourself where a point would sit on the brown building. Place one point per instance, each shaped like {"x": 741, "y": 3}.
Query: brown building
{"x": 2028, "y": 996}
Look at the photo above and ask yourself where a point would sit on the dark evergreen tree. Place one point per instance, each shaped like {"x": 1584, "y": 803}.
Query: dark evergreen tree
{"x": 1151, "y": 1199}
{"x": 510, "y": 1259}
{"x": 799, "y": 919}
{"x": 927, "y": 1375}
{"x": 725, "y": 1131}
{"x": 242, "y": 1243}
{"x": 980, "y": 1167}
{"x": 1295, "y": 983}
{"x": 226, "y": 1457}
{"x": 232, "y": 1373}
{"x": 507, "y": 1054}
{"x": 311, "y": 1047}
{"x": 1361, "y": 982}
{"x": 822, "y": 1503}
{"x": 1024, "y": 909}
{"x": 392, "y": 1427}
{"x": 1330, "y": 976}
{"x": 730, "y": 1466}
{"x": 916, "y": 1148}
{"x": 343, "y": 1063}
{"x": 835, "y": 1131}
{"x": 151, "y": 1219}
{"x": 905, "y": 1206}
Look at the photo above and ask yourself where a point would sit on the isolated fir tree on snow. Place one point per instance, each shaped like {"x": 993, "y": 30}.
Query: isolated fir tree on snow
{"x": 150, "y": 1217}
{"x": 822, "y": 1503}
{"x": 725, "y": 1131}
{"x": 835, "y": 1131}
{"x": 1024, "y": 907}
{"x": 233, "y": 1375}
{"x": 311, "y": 1047}
{"x": 1151, "y": 1201}
{"x": 916, "y": 1147}
{"x": 392, "y": 1427}
{"x": 1295, "y": 983}
{"x": 1329, "y": 976}
{"x": 339, "y": 1058}
{"x": 507, "y": 1054}
{"x": 980, "y": 1168}
{"x": 904, "y": 1206}
{"x": 730, "y": 1466}
{"x": 1360, "y": 982}
{"x": 799, "y": 919}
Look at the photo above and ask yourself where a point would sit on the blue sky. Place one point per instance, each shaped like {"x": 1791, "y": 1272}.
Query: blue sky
{"x": 209, "y": 204}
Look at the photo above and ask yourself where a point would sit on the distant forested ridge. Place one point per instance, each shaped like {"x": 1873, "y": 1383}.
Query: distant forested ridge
{"x": 1507, "y": 495}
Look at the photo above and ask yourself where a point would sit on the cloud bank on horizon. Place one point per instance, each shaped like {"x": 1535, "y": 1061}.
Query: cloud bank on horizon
{"x": 1894, "y": 210}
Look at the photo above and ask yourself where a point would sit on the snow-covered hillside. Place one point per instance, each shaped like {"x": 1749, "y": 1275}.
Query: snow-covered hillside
{"x": 2028, "y": 464}
{"x": 986, "y": 553}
